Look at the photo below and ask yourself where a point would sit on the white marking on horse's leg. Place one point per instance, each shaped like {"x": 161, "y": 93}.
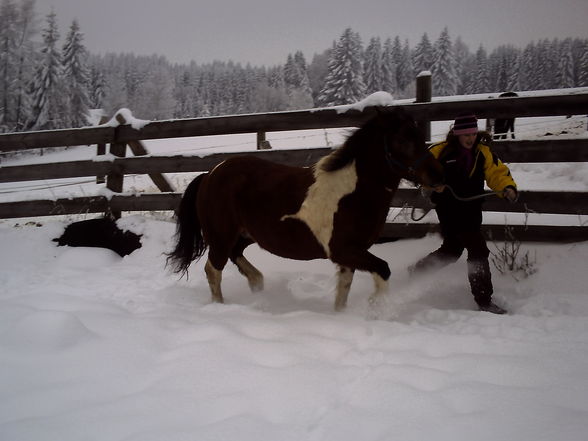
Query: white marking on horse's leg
{"x": 254, "y": 276}
{"x": 322, "y": 201}
{"x": 214, "y": 278}
{"x": 381, "y": 286}
{"x": 344, "y": 279}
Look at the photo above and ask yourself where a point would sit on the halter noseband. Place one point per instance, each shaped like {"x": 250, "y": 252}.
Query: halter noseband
{"x": 398, "y": 166}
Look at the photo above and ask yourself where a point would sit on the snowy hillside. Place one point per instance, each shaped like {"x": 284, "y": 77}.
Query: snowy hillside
{"x": 98, "y": 347}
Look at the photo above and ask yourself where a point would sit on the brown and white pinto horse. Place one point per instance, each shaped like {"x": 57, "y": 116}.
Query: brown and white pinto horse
{"x": 333, "y": 210}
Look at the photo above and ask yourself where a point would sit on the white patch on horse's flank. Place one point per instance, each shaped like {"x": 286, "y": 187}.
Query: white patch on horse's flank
{"x": 322, "y": 200}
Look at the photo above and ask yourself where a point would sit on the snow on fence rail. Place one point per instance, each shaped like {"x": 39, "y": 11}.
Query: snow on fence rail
{"x": 553, "y": 150}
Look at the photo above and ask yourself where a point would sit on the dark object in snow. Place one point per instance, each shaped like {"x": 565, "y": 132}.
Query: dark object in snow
{"x": 504, "y": 125}
{"x": 100, "y": 233}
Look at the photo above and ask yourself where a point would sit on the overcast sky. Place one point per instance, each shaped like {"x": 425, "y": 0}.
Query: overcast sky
{"x": 264, "y": 32}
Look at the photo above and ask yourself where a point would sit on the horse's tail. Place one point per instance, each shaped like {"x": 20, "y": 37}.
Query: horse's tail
{"x": 190, "y": 244}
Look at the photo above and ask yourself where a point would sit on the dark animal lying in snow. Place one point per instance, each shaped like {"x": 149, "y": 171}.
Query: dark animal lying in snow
{"x": 101, "y": 233}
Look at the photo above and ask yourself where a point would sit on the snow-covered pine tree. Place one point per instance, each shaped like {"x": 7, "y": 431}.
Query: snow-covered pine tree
{"x": 24, "y": 63}
{"x": 115, "y": 96}
{"x": 373, "y": 66}
{"x": 583, "y": 66}
{"x": 269, "y": 93}
{"x": 565, "y": 71}
{"x": 344, "y": 83}
{"x": 514, "y": 70}
{"x": 275, "y": 77}
{"x": 76, "y": 77}
{"x": 468, "y": 77}
{"x": 443, "y": 69}
{"x": 480, "y": 83}
{"x": 577, "y": 52}
{"x": 8, "y": 61}
{"x": 548, "y": 56}
{"x": 297, "y": 82}
{"x": 154, "y": 98}
{"x": 528, "y": 75}
{"x": 97, "y": 89}
{"x": 422, "y": 58}
{"x": 389, "y": 69}
{"x": 317, "y": 72}
{"x": 48, "y": 108}
{"x": 303, "y": 81}
{"x": 502, "y": 78}
{"x": 403, "y": 62}
{"x": 462, "y": 53}
{"x": 184, "y": 95}
{"x": 406, "y": 71}
{"x": 290, "y": 72}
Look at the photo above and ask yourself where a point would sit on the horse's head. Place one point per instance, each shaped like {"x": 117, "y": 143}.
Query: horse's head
{"x": 405, "y": 151}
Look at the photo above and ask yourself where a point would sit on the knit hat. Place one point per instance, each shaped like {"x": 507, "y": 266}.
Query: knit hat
{"x": 465, "y": 125}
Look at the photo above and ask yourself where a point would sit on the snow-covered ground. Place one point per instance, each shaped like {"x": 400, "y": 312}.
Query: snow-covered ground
{"x": 98, "y": 347}
{"x": 95, "y": 347}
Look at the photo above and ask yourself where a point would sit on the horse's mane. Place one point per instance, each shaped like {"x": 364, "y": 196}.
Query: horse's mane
{"x": 345, "y": 154}
{"x": 356, "y": 143}
{"x": 341, "y": 157}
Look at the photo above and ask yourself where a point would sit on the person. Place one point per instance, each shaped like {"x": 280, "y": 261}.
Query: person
{"x": 468, "y": 162}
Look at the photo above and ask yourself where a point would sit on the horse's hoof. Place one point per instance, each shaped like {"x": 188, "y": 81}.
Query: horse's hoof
{"x": 340, "y": 307}
{"x": 256, "y": 285}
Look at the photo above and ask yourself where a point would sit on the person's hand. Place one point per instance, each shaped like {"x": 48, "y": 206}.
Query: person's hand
{"x": 511, "y": 194}
{"x": 439, "y": 188}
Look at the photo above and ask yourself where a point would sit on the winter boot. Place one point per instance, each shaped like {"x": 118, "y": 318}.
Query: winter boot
{"x": 492, "y": 308}
{"x": 481, "y": 284}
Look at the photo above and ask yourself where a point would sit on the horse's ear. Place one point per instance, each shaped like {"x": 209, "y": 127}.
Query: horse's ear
{"x": 378, "y": 116}
{"x": 387, "y": 115}
{"x": 384, "y": 116}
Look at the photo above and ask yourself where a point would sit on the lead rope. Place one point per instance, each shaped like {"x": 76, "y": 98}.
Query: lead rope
{"x": 459, "y": 198}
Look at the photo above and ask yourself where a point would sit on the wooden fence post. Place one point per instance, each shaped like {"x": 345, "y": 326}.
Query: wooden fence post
{"x": 101, "y": 150}
{"x": 139, "y": 149}
{"x": 114, "y": 180}
{"x": 262, "y": 142}
{"x": 424, "y": 93}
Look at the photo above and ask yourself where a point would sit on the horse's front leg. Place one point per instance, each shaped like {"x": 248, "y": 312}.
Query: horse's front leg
{"x": 363, "y": 260}
{"x": 344, "y": 279}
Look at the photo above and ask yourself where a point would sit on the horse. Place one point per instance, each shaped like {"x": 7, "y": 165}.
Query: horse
{"x": 503, "y": 125}
{"x": 334, "y": 210}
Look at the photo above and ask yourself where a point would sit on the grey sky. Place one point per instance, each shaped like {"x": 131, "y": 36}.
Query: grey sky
{"x": 264, "y": 32}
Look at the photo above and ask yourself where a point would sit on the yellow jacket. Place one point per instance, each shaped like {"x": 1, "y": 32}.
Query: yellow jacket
{"x": 487, "y": 167}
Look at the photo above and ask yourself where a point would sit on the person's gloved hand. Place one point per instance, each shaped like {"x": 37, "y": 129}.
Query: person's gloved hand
{"x": 511, "y": 194}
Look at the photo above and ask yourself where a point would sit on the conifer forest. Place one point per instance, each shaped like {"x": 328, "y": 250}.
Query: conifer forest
{"x": 49, "y": 80}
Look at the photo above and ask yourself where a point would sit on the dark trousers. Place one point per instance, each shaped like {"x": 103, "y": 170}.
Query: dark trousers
{"x": 454, "y": 243}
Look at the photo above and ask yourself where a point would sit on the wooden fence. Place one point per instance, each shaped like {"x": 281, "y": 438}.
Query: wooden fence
{"x": 553, "y": 150}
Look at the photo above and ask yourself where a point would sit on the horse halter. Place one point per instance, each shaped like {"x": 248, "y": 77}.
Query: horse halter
{"x": 400, "y": 167}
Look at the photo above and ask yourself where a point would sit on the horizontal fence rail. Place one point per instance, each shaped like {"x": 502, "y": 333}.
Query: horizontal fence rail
{"x": 552, "y": 105}
{"x": 546, "y": 202}
{"x": 569, "y": 150}
{"x": 116, "y": 165}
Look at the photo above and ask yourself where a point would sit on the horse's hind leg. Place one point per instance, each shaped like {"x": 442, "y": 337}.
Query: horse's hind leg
{"x": 344, "y": 279}
{"x": 253, "y": 275}
{"x": 214, "y": 277}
